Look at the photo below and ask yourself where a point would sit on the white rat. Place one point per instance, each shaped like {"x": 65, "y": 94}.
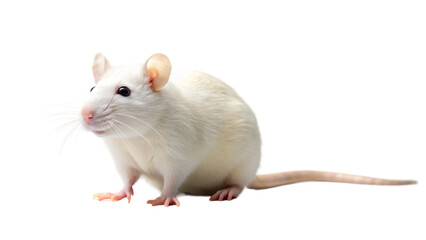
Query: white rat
{"x": 194, "y": 135}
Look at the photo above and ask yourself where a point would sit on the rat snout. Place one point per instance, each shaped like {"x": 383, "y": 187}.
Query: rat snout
{"x": 87, "y": 114}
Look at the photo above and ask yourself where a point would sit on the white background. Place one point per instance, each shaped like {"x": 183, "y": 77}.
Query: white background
{"x": 336, "y": 85}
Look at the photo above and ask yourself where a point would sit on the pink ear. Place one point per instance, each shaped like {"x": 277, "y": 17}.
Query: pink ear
{"x": 100, "y": 65}
{"x": 158, "y": 68}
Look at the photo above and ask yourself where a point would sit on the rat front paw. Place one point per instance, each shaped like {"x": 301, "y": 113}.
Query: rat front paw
{"x": 114, "y": 196}
{"x": 166, "y": 201}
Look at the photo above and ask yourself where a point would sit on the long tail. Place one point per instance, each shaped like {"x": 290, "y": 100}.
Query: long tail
{"x": 284, "y": 178}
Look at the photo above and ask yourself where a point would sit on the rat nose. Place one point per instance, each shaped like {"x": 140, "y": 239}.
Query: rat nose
{"x": 87, "y": 114}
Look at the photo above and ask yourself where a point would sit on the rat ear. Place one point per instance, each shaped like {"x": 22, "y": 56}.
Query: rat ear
{"x": 100, "y": 65}
{"x": 158, "y": 69}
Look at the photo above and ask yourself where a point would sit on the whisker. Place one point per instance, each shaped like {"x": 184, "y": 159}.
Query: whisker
{"x": 139, "y": 134}
{"x": 64, "y": 121}
{"x": 140, "y": 120}
{"x": 62, "y": 117}
{"x": 66, "y": 125}
{"x": 119, "y": 133}
{"x": 67, "y": 137}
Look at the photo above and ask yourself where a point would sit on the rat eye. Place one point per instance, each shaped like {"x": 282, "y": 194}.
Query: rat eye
{"x": 92, "y": 88}
{"x": 123, "y": 91}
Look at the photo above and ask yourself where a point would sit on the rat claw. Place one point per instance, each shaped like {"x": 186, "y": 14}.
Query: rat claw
{"x": 176, "y": 201}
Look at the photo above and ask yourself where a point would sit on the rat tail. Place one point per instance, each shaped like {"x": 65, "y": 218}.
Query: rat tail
{"x": 284, "y": 178}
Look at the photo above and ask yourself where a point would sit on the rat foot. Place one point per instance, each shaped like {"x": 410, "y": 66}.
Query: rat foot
{"x": 166, "y": 201}
{"x": 115, "y": 196}
{"x": 227, "y": 193}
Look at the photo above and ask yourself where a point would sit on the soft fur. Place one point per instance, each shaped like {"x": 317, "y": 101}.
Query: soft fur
{"x": 193, "y": 134}
{"x": 196, "y": 131}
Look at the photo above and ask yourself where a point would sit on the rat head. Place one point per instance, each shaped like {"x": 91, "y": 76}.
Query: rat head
{"x": 126, "y": 100}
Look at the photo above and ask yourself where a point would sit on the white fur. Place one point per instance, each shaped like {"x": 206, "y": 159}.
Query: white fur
{"x": 195, "y": 135}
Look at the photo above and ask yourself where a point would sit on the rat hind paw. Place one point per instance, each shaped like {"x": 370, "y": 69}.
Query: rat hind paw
{"x": 227, "y": 194}
{"x": 114, "y": 196}
{"x": 166, "y": 201}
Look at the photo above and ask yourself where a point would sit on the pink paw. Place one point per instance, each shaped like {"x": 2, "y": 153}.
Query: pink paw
{"x": 166, "y": 201}
{"x": 114, "y": 196}
{"x": 226, "y": 194}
